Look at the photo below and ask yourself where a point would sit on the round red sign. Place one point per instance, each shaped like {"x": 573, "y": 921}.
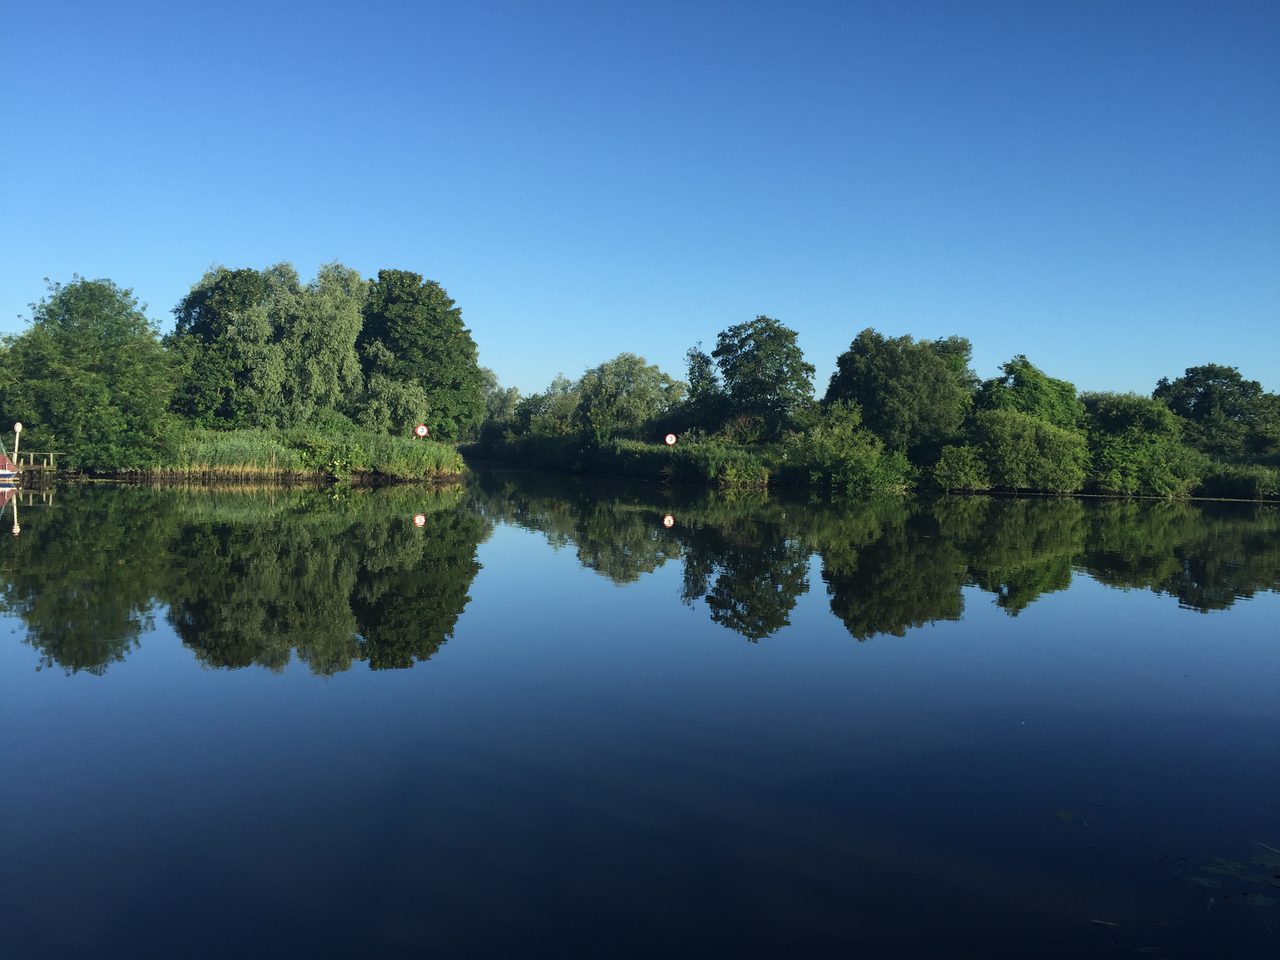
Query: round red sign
{"x": 419, "y": 519}
{"x": 421, "y": 430}
{"x": 670, "y": 440}
{"x": 668, "y": 521}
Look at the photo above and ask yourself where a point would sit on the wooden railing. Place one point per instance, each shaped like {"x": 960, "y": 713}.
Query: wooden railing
{"x": 31, "y": 460}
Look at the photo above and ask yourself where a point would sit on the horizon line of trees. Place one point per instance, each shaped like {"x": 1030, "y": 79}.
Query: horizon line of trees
{"x": 260, "y": 349}
{"x": 92, "y": 377}
{"x": 899, "y": 412}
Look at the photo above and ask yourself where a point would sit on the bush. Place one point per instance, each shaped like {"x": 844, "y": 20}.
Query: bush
{"x": 708, "y": 463}
{"x": 837, "y": 453}
{"x": 1131, "y": 465}
{"x": 1241, "y": 483}
{"x": 1135, "y": 447}
{"x": 961, "y": 468}
{"x": 1023, "y": 453}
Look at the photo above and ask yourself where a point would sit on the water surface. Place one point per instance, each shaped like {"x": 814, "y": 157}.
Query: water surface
{"x": 567, "y": 719}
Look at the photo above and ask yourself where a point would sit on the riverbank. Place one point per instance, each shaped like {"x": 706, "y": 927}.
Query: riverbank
{"x": 298, "y": 456}
{"x": 800, "y": 466}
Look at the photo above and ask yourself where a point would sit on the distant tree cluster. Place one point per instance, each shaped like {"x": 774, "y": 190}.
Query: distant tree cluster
{"x": 262, "y": 350}
{"x": 91, "y": 376}
{"x": 900, "y": 412}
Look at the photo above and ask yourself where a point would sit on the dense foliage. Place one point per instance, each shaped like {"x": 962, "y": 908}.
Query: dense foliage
{"x": 89, "y": 379}
{"x": 265, "y": 375}
{"x": 419, "y": 360}
{"x": 277, "y": 372}
{"x": 913, "y": 394}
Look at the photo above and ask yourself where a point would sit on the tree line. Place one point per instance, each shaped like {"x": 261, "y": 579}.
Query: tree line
{"x": 261, "y": 350}
{"x": 93, "y": 378}
{"x": 900, "y": 412}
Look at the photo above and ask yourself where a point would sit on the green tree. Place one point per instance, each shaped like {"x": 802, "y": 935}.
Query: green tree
{"x": 419, "y": 360}
{"x": 500, "y": 405}
{"x": 836, "y": 452}
{"x": 499, "y": 401}
{"x": 764, "y": 372}
{"x": 1135, "y": 446}
{"x": 552, "y": 413}
{"x": 1227, "y": 416}
{"x": 1028, "y": 389}
{"x": 914, "y": 394}
{"x": 90, "y": 378}
{"x": 229, "y": 342}
{"x": 705, "y": 404}
{"x": 961, "y": 468}
{"x": 1022, "y": 452}
{"x": 624, "y": 395}
{"x": 323, "y": 373}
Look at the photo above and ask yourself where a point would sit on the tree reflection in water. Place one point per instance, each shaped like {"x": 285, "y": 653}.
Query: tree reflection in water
{"x": 337, "y": 577}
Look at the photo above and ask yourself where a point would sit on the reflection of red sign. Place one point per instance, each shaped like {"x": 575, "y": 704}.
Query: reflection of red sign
{"x": 421, "y": 430}
{"x": 670, "y": 440}
{"x": 419, "y": 519}
{"x": 668, "y": 521}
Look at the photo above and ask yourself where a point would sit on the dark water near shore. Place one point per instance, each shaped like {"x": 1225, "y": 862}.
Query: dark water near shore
{"x": 541, "y": 722}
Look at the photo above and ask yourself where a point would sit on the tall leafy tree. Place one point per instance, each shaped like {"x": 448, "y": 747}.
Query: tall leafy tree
{"x": 1135, "y": 446}
{"x": 229, "y": 340}
{"x": 90, "y": 378}
{"x": 914, "y": 394}
{"x": 705, "y": 402}
{"x": 551, "y": 413}
{"x": 319, "y": 341}
{"x": 1227, "y": 416}
{"x": 764, "y": 371}
{"x": 419, "y": 360}
{"x": 1027, "y": 389}
{"x": 623, "y": 395}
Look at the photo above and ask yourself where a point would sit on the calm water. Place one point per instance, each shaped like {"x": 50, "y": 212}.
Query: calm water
{"x": 542, "y": 722}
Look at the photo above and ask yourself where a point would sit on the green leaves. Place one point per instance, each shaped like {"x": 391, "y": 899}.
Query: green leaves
{"x": 1028, "y": 389}
{"x": 1024, "y": 453}
{"x": 1135, "y": 446}
{"x": 418, "y": 359}
{"x": 914, "y": 395}
{"x": 764, "y": 371}
{"x": 623, "y": 395}
{"x": 90, "y": 379}
{"x": 1226, "y": 415}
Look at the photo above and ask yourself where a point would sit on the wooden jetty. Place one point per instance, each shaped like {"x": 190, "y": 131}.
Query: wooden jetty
{"x": 37, "y": 468}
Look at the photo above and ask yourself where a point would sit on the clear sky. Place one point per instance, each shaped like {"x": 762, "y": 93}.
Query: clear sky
{"x": 1096, "y": 185}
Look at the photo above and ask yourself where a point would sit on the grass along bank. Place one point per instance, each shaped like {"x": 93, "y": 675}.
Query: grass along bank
{"x": 269, "y": 455}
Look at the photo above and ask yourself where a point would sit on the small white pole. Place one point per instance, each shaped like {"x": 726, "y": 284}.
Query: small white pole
{"x": 17, "y": 435}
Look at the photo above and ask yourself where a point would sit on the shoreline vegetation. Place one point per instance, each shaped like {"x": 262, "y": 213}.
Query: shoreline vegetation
{"x": 256, "y": 456}
{"x": 267, "y": 378}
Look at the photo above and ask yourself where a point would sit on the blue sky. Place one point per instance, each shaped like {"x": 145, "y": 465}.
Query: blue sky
{"x": 1096, "y": 185}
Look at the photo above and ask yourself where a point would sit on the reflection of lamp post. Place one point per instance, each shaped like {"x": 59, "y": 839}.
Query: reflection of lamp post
{"x": 16, "y": 529}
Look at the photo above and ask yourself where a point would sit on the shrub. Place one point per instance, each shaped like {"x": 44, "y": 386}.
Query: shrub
{"x": 1135, "y": 446}
{"x": 1241, "y": 483}
{"x": 961, "y": 468}
{"x": 836, "y": 452}
{"x": 1023, "y": 453}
